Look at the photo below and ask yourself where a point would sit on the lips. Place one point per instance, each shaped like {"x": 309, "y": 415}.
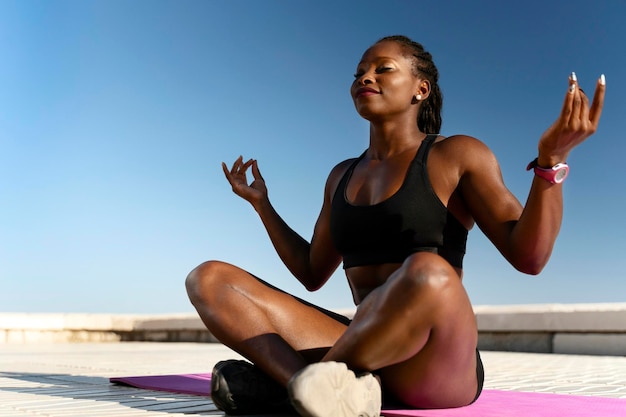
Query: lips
{"x": 364, "y": 92}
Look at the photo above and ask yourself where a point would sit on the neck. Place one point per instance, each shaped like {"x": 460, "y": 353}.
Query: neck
{"x": 389, "y": 139}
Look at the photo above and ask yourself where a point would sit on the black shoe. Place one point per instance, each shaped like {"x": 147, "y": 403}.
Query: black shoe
{"x": 239, "y": 387}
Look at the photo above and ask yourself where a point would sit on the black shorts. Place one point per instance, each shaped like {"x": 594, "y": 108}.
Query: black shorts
{"x": 480, "y": 375}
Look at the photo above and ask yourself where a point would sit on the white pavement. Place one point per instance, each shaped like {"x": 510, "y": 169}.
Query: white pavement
{"x": 59, "y": 380}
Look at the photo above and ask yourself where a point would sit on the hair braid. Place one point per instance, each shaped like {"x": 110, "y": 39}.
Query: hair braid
{"x": 429, "y": 118}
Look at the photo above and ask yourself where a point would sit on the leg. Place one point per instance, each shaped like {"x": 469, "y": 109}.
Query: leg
{"x": 274, "y": 330}
{"x": 419, "y": 329}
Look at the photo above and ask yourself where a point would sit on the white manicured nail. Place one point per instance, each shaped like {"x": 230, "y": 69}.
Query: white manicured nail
{"x": 573, "y": 76}
{"x": 602, "y": 80}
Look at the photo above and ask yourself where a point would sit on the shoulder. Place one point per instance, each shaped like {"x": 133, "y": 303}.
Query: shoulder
{"x": 466, "y": 151}
{"x": 460, "y": 142}
{"x": 342, "y": 167}
{"x": 337, "y": 173}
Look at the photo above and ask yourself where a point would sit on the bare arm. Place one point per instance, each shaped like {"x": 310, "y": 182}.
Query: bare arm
{"x": 311, "y": 263}
{"x": 526, "y": 236}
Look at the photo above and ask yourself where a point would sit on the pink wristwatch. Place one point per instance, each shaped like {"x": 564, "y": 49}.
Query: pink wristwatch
{"x": 554, "y": 175}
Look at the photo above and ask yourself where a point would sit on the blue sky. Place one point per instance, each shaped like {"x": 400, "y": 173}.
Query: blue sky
{"x": 116, "y": 115}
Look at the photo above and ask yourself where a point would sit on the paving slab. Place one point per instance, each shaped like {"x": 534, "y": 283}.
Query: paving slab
{"x": 59, "y": 380}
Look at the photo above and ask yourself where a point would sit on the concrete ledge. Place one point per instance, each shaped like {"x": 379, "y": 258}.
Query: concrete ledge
{"x": 534, "y": 342}
{"x": 59, "y": 328}
{"x": 590, "y": 344}
{"x": 553, "y": 318}
{"x": 595, "y": 329}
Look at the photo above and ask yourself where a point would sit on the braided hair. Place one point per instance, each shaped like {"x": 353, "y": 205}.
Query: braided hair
{"x": 429, "y": 117}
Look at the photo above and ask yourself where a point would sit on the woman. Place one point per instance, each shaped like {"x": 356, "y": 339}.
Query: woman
{"x": 397, "y": 217}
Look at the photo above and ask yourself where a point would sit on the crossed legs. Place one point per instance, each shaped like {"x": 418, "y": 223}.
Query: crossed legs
{"x": 276, "y": 331}
{"x": 417, "y": 330}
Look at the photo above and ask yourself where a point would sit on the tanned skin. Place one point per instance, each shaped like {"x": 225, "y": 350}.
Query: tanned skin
{"x": 414, "y": 321}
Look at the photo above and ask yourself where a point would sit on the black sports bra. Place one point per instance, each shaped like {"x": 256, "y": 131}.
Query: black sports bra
{"x": 412, "y": 220}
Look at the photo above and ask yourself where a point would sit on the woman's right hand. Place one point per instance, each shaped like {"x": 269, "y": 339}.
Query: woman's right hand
{"x": 256, "y": 191}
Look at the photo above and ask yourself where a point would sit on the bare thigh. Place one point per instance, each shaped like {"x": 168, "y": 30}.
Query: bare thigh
{"x": 279, "y": 332}
{"x": 443, "y": 372}
{"x": 418, "y": 331}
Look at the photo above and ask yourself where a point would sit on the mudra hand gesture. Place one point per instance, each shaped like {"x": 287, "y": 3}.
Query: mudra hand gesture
{"x": 576, "y": 123}
{"x": 254, "y": 192}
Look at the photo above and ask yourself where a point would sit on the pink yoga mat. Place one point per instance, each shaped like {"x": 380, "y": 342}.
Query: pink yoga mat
{"x": 194, "y": 384}
{"x": 492, "y": 403}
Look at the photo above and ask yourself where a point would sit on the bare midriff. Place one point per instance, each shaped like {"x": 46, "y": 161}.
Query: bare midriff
{"x": 365, "y": 279}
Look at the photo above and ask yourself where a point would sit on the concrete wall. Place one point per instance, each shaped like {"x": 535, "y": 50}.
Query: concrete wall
{"x": 596, "y": 329}
{"x": 62, "y": 328}
{"x": 593, "y": 329}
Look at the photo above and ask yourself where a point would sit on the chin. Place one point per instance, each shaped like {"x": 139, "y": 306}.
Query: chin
{"x": 368, "y": 113}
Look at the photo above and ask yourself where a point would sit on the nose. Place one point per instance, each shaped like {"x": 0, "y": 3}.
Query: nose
{"x": 366, "y": 78}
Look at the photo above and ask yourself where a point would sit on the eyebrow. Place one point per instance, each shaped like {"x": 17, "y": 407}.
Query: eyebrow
{"x": 381, "y": 58}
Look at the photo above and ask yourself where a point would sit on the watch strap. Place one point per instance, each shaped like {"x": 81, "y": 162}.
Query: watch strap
{"x": 554, "y": 175}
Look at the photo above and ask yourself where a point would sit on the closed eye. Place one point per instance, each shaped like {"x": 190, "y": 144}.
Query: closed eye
{"x": 379, "y": 70}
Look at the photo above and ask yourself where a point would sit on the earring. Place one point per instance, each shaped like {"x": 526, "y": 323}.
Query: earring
{"x": 418, "y": 97}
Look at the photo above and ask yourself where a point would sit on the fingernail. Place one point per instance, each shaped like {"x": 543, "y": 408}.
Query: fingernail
{"x": 602, "y": 80}
{"x": 573, "y": 76}
{"x": 572, "y": 88}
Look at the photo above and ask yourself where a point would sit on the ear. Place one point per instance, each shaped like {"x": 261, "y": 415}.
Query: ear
{"x": 423, "y": 90}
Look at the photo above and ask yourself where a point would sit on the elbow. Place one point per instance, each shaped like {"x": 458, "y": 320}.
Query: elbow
{"x": 532, "y": 265}
{"x": 310, "y": 282}
{"x": 529, "y": 259}
{"x": 312, "y": 285}
{"x": 312, "y": 288}
{"x": 314, "y": 282}
{"x": 530, "y": 269}
{"x": 315, "y": 278}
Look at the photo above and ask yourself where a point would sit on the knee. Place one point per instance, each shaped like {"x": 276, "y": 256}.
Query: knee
{"x": 425, "y": 271}
{"x": 204, "y": 280}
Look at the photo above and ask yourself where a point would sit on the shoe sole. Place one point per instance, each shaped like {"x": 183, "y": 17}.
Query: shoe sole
{"x": 328, "y": 389}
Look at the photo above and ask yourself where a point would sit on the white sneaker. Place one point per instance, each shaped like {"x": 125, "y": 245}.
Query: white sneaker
{"x": 330, "y": 389}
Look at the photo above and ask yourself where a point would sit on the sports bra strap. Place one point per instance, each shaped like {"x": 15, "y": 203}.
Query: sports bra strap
{"x": 424, "y": 148}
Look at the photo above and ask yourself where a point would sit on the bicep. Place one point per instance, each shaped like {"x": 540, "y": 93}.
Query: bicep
{"x": 491, "y": 204}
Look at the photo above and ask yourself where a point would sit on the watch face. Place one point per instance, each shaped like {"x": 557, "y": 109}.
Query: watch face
{"x": 555, "y": 175}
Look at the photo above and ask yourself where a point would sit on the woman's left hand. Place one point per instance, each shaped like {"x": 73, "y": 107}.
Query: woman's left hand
{"x": 576, "y": 123}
